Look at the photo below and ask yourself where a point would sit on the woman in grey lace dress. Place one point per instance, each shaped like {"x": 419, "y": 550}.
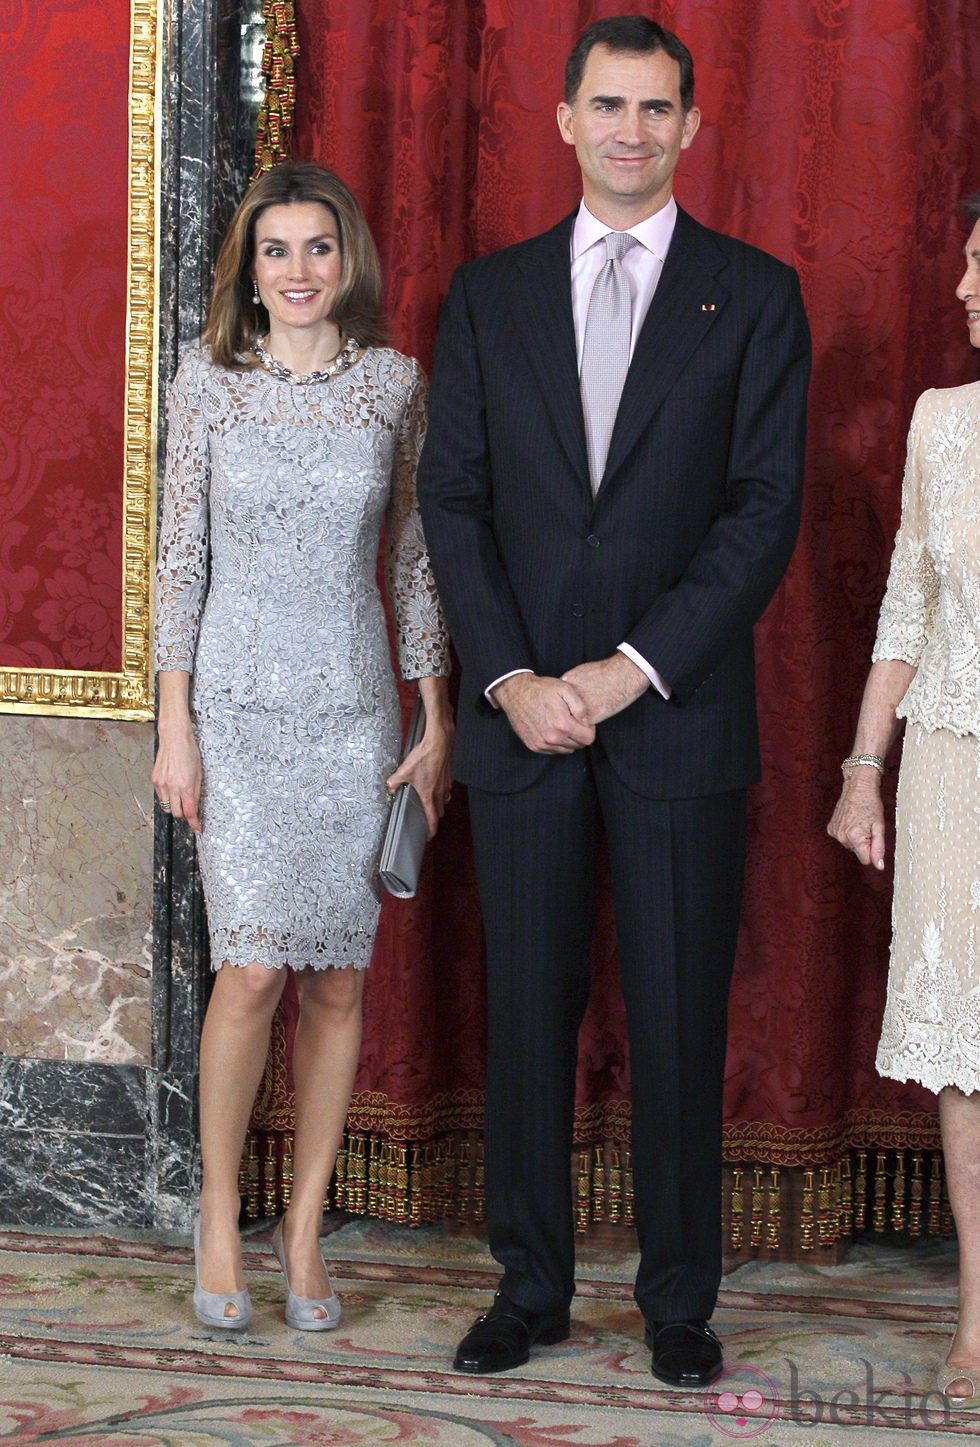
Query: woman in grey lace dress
{"x": 292, "y": 437}
{"x": 926, "y": 670}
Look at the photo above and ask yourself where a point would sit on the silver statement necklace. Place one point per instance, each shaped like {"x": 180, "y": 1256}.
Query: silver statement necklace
{"x": 344, "y": 359}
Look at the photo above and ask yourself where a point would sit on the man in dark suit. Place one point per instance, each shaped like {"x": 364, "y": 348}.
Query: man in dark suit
{"x": 610, "y": 491}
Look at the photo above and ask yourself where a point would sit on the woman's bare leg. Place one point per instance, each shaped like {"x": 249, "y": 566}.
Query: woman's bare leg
{"x": 959, "y": 1118}
{"x": 234, "y": 1045}
{"x": 325, "y": 1055}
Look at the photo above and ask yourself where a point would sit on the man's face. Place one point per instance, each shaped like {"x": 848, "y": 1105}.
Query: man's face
{"x": 628, "y": 132}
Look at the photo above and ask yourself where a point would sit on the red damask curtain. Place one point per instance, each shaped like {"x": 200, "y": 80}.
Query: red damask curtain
{"x": 839, "y": 136}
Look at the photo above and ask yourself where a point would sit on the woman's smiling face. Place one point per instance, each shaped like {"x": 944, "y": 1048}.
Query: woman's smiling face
{"x": 297, "y": 264}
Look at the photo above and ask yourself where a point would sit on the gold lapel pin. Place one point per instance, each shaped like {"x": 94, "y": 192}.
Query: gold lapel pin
{"x": 707, "y": 306}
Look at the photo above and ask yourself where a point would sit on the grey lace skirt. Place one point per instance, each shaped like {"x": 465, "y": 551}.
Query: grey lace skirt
{"x": 293, "y": 814}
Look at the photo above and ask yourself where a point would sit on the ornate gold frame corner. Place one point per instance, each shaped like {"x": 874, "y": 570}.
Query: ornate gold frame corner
{"x": 127, "y": 694}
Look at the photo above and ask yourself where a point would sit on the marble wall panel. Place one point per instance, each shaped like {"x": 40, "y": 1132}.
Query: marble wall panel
{"x": 74, "y": 1144}
{"x": 76, "y": 852}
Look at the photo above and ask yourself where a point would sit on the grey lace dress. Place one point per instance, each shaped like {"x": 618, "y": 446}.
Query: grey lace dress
{"x": 275, "y": 494}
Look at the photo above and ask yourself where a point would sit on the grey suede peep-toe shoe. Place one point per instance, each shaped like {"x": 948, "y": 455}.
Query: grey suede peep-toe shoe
{"x": 210, "y": 1306}
{"x": 301, "y": 1311}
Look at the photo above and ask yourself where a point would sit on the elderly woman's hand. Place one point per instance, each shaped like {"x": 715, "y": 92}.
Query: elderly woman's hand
{"x": 858, "y": 822}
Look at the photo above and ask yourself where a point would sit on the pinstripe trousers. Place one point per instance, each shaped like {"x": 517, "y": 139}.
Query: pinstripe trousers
{"x": 677, "y": 869}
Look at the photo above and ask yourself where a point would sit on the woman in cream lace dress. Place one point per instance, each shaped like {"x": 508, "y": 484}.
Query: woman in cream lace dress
{"x": 926, "y": 670}
{"x": 292, "y": 437}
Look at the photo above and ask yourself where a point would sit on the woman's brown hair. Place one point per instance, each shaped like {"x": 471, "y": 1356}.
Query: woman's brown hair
{"x": 235, "y": 321}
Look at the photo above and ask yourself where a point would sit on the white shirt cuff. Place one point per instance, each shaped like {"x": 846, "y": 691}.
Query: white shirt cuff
{"x": 664, "y": 689}
{"x": 488, "y": 692}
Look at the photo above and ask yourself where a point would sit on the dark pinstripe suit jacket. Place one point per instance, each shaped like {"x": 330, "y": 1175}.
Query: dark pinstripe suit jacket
{"x": 690, "y": 532}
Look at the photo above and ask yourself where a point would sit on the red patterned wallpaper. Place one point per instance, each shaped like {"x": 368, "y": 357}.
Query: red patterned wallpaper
{"x": 63, "y": 258}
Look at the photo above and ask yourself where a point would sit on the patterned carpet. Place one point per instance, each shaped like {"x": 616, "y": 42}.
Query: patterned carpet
{"x": 98, "y": 1345}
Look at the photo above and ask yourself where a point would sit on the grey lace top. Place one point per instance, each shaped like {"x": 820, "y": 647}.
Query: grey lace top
{"x": 226, "y": 426}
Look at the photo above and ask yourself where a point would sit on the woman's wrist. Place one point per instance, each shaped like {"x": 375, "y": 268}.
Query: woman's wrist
{"x": 174, "y": 725}
{"x": 862, "y": 780}
{"x": 435, "y": 696}
{"x": 862, "y": 760}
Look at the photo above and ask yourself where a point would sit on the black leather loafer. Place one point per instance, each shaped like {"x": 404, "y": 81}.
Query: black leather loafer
{"x": 685, "y": 1353}
{"x": 503, "y": 1337}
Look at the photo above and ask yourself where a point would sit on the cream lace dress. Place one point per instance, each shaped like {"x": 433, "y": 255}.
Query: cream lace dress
{"x": 274, "y": 497}
{"x": 930, "y": 617}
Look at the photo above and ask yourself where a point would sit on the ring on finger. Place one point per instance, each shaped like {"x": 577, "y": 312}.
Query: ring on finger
{"x": 165, "y": 805}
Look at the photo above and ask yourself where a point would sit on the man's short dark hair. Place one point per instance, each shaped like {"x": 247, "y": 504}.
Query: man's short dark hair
{"x": 971, "y": 206}
{"x": 638, "y": 35}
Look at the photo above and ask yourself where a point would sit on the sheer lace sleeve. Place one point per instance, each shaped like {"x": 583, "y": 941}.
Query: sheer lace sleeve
{"x": 182, "y": 555}
{"x": 421, "y": 637}
{"x": 913, "y": 586}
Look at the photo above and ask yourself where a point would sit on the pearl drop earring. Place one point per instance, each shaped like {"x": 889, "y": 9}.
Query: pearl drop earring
{"x": 255, "y": 292}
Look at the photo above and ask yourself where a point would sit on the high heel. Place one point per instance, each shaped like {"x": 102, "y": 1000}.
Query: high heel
{"x": 210, "y": 1306}
{"x": 947, "y": 1375}
{"x": 301, "y": 1310}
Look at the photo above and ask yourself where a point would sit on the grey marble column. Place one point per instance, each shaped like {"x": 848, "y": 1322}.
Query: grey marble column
{"x": 93, "y": 1145}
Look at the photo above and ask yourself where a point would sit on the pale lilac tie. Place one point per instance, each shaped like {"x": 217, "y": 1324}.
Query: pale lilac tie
{"x": 606, "y": 351}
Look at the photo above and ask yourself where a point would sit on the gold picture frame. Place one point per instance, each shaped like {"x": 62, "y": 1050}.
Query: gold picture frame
{"x": 127, "y": 694}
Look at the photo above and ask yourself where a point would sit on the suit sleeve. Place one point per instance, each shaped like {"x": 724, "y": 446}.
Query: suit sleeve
{"x": 735, "y": 570}
{"x": 455, "y": 498}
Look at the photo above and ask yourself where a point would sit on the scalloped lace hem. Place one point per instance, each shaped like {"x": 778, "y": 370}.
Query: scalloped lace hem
{"x": 252, "y": 945}
{"x": 965, "y": 728}
{"x": 933, "y": 1077}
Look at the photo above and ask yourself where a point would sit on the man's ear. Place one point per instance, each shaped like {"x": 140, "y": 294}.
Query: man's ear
{"x": 565, "y": 123}
{"x": 691, "y": 123}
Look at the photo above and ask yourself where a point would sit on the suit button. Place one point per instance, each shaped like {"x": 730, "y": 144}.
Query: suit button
{"x": 578, "y": 610}
{"x": 592, "y": 540}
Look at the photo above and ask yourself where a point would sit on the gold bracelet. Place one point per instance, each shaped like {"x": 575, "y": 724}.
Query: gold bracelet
{"x": 875, "y": 760}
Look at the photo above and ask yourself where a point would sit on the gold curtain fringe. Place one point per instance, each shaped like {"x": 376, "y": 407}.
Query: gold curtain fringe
{"x": 756, "y": 1235}
{"x": 604, "y": 1189}
{"x": 406, "y": 1183}
{"x": 274, "y": 129}
{"x": 832, "y": 1203}
{"x": 767, "y": 1208}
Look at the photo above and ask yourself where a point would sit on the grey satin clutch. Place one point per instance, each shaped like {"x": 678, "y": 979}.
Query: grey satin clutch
{"x": 408, "y": 829}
